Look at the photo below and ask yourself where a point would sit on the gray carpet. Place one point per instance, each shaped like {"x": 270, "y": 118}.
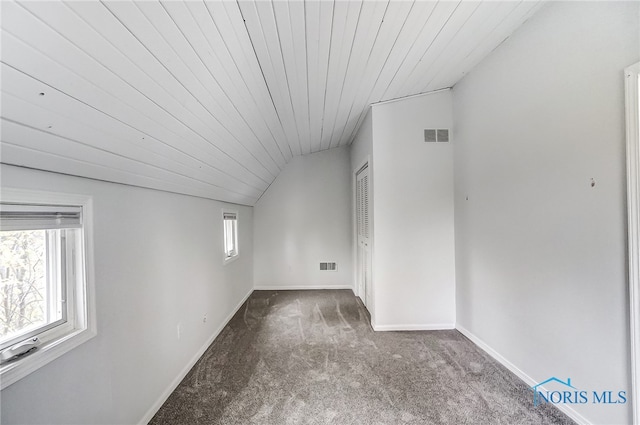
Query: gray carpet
{"x": 311, "y": 357}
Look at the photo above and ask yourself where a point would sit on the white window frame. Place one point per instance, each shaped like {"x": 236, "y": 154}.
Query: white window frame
{"x": 632, "y": 108}
{"x": 80, "y": 325}
{"x": 228, "y": 259}
{"x": 56, "y": 275}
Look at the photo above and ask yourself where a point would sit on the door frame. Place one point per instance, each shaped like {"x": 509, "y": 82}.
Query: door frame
{"x": 632, "y": 109}
{"x": 354, "y": 181}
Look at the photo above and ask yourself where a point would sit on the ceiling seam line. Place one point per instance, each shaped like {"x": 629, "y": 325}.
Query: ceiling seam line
{"x": 368, "y": 101}
{"x": 157, "y": 84}
{"x": 346, "y": 72}
{"x": 409, "y": 50}
{"x": 286, "y": 76}
{"x": 109, "y": 181}
{"x": 306, "y": 56}
{"x": 221, "y": 89}
{"x": 431, "y": 44}
{"x": 192, "y": 95}
{"x": 451, "y": 40}
{"x": 261, "y": 70}
{"x": 132, "y": 127}
{"x": 375, "y": 84}
{"x": 203, "y": 86}
{"x": 108, "y": 69}
{"x": 116, "y": 155}
{"x": 284, "y": 117}
{"x": 487, "y": 36}
{"x": 143, "y": 148}
{"x": 95, "y": 164}
{"x": 121, "y": 183}
{"x": 304, "y": 121}
{"x": 326, "y": 79}
{"x": 263, "y": 88}
{"x": 233, "y": 59}
{"x": 375, "y": 40}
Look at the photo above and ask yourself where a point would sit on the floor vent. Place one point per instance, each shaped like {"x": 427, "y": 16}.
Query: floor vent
{"x": 328, "y": 266}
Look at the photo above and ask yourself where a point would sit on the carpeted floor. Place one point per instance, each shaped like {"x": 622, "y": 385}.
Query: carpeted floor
{"x": 311, "y": 357}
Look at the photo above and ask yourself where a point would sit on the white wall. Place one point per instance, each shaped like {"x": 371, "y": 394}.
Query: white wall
{"x": 540, "y": 253}
{"x": 303, "y": 218}
{"x": 414, "y": 270}
{"x": 362, "y": 145}
{"x": 361, "y": 152}
{"x": 158, "y": 264}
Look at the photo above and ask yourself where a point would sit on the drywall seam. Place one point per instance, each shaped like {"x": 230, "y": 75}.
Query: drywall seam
{"x": 174, "y": 384}
{"x": 578, "y": 418}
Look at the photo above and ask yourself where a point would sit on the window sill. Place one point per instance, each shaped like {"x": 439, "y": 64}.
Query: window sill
{"x": 15, "y": 370}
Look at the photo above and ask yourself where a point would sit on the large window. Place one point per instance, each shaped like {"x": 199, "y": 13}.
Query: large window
{"x": 45, "y": 307}
{"x": 230, "y": 223}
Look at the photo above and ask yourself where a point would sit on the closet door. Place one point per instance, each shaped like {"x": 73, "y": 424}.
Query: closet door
{"x": 363, "y": 227}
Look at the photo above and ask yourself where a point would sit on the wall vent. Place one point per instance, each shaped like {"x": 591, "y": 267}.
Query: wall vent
{"x": 432, "y": 135}
{"x": 329, "y": 266}
{"x": 443, "y": 135}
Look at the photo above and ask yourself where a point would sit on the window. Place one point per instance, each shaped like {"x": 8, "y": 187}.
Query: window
{"x": 45, "y": 307}
{"x": 230, "y": 222}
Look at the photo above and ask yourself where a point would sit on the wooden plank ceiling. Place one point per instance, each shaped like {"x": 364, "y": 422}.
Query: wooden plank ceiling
{"x": 213, "y": 98}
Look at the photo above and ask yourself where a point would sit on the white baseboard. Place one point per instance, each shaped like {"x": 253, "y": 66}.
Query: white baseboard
{"x": 174, "y": 384}
{"x": 299, "y": 287}
{"x": 566, "y": 409}
{"x": 431, "y": 327}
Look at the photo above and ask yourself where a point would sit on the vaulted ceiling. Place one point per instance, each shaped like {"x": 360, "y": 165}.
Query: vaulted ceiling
{"x": 213, "y": 98}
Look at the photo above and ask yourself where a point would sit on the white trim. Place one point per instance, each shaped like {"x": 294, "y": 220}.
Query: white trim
{"x": 367, "y": 161}
{"x": 85, "y": 326}
{"x": 174, "y": 384}
{"x": 397, "y": 99}
{"x": 633, "y": 213}
{"x": 564, "y": 408}
{"x": 300, "y": 287}
{"x": 430, "y": 327}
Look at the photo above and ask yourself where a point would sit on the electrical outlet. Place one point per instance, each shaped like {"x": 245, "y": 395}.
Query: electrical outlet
{"x": 204, "y": 319}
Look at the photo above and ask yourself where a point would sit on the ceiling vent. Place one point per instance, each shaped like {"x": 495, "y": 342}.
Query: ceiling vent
{"x": 328, "y": 266}
{"x": 432, "y": 135}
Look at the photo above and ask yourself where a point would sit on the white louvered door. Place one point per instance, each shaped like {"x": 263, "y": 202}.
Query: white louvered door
{"x": 363, "y": 228}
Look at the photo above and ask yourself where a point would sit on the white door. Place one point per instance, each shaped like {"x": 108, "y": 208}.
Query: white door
{"x": 364, "y": 248}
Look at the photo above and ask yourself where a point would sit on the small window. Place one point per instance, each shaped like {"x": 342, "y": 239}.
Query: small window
{"x": 44, "y": 288}
{"x": 230, "y": 222}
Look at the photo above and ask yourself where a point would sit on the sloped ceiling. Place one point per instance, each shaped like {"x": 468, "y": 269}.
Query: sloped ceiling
{"x": 213, "y": 98}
